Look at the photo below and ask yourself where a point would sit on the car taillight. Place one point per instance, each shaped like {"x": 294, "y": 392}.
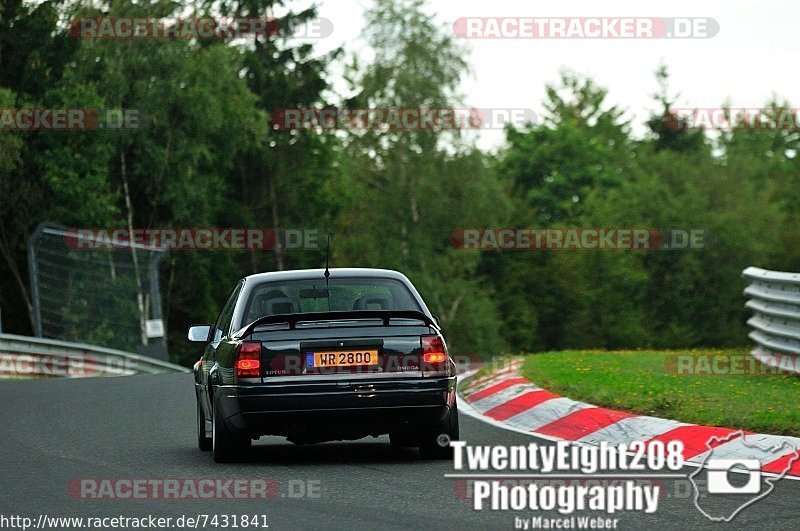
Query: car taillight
{"x": 248, "y": 359}
{"x": 435, "y": 361}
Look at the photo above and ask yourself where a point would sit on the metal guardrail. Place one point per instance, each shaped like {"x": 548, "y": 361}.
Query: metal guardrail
{"x": 23, "y": 356}
{"x": 775, "y": 301}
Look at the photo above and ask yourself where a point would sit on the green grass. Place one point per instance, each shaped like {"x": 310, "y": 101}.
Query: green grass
{"x": 649, "y": 383}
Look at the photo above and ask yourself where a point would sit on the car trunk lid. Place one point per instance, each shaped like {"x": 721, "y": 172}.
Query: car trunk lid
{"x": 343, "y": 349}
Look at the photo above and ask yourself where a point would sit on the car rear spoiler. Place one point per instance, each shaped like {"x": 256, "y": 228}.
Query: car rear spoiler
{"x": 293, "y": 318}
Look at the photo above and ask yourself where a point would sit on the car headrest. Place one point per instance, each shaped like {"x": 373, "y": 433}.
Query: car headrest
{"x": 282, "y": 305}
{"x": 271, "y": 303}
{"x": 375, "y": 302}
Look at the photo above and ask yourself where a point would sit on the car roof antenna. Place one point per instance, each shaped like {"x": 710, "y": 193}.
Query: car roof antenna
{"x": 327, "y": 271}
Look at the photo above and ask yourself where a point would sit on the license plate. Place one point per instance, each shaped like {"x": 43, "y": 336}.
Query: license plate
{"x": 343, "y": 358}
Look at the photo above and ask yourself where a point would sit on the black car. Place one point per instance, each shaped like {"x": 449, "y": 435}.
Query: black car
{"x": 321, "y": 355}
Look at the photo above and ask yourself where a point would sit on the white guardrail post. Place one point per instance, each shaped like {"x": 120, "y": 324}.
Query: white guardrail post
{"x": 775, "y": 301}
{"x": 23, "y": 356}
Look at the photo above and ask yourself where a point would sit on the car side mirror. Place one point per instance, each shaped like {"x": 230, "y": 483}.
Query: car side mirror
{"x": 199, "y": 333}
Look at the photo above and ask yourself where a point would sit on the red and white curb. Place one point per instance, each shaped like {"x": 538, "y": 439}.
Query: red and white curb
{"x": 507, "y": 399}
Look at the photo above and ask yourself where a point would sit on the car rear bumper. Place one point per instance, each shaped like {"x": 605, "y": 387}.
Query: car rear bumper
{"x": 337, "y": 410}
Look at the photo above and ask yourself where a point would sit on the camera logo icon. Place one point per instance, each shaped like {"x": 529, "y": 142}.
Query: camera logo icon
{"x": 719, "y": 481}
{"x": 730, "y": 476}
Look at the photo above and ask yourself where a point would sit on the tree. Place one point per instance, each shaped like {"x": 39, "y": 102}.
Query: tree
{"x": 581, "y": 147}
{"x": 33, "y": 55}
{"x": 412, "y": 186}
{"x": 669, "y": 130}
{"x": 286, "y": 168}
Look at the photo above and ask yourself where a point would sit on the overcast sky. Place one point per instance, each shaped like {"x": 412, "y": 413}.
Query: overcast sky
{"x": 753, "y": 57}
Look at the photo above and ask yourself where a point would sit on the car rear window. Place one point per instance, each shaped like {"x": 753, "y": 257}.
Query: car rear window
{"x": 341, "y": 294}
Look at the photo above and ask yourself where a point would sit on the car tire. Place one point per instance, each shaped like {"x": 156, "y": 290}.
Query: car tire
{"x": 227, "y": 445}
{"x": 435, "y": 443}
{"x": 402, "y": 439}
{"x": 204, "y": 442}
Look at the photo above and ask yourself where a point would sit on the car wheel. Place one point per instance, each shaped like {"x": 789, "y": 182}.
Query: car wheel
{"x": 204, "y": 442}
{"x": 435, "y": 444}
{"x": 402, "y": 439}
{"x": 227, "y": 445}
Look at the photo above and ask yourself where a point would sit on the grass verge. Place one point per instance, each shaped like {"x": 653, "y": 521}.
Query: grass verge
{"x": 711, "y": 387}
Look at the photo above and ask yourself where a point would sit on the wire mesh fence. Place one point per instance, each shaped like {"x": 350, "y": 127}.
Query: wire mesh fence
{"x": 94, "y": 290}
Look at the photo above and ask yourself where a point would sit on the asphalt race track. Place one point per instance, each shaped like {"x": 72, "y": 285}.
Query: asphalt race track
{"x": 57, "y": 431}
